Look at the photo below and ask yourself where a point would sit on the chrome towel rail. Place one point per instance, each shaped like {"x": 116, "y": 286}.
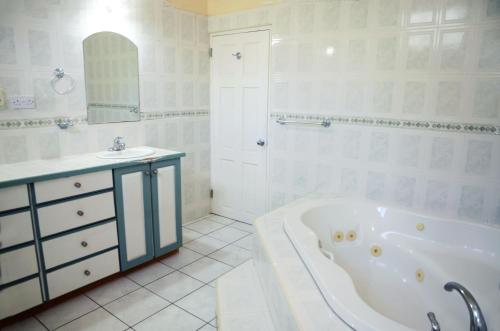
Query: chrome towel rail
{"x": 323, "y": 123}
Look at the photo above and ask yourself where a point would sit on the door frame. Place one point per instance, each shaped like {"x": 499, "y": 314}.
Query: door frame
{"x": 267, "y": 203}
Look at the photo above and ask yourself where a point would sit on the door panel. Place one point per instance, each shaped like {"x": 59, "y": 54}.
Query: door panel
{"x": 166, "y": 206}
{"x": 239, "y": 113}
{"x": 133, "y": 209}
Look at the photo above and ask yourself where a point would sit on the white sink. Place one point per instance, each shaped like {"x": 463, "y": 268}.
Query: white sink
{"x": 128, "y": 153}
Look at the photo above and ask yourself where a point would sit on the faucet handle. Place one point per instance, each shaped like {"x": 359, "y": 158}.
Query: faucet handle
{"x": 434, "y": 323}
{"x": 118, "y": 140}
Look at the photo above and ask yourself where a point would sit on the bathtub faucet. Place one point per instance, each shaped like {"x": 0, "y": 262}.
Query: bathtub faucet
{"x": 477, "y": 322}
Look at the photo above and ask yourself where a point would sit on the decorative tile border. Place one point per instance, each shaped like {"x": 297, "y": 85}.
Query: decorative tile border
{"x": 396, "y": 123}
{"x": 80, "y": 120}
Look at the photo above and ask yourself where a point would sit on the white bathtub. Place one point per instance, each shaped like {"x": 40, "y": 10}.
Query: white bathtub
{"x": 384, "y": 293}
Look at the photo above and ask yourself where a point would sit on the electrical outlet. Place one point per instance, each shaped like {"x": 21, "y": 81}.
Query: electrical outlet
{"x": 22, "y": 102}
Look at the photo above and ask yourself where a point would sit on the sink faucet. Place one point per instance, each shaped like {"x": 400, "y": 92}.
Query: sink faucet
{"x": 477, "y": 322}
{"x": 118, "y": 144}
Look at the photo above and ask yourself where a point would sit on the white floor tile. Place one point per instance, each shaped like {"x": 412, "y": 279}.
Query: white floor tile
{"x": 220, "y": 219}
{"x": 232, "y": 255}
{"x": 205, "y": 226}
{"x": 150, "y": 273}
{"x": 136, "y": 306}
{"x": 98, "y": 320}
{"x": 28, "y": 324}
{"x": 228, "y": 234}
{"x": 206, "y": 269}
{"x": 182, "y": 258}
{"x": 171, "y": 318}
{"x": 174, "y": 286}
{"x": 243, "y": 226}
{"x": 205, "y": 245}
{"x": 67, "y": 311}
{"x": 207, "y": 327}
{"x": 188, "y": 235}
{"x": 246, "y": 242}
{"x": 200, "y": 303}
{"x": 113, "y": 290}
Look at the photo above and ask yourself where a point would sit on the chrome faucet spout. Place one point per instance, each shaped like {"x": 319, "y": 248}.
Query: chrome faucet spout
{"x": 118, "y": 144}
{"x": 477, "y": 322}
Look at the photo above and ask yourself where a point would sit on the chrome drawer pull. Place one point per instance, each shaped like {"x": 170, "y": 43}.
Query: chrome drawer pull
{"x": 80, "y": 213}
{"x": 86, "y": 272}
{"x": 84, "y": 244}
{"x": 155, "y": 172}
{"x": 78, "y": 185}
{"x": 146, "y": 173}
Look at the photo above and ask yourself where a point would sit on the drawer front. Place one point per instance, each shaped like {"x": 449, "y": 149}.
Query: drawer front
{"x": 69, "y": 186}
{"x": 71, "y": 214}
{"x": 82, "y": 273}
{"x": 17, "y": 264}
{"x": 20, "y": 297}
{"x": 79, "y": 244}
{"x": 15, "y": 229}
{"x": 14, "y": 197}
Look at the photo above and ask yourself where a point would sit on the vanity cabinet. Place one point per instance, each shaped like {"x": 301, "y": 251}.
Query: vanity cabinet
{"x": 148, "y": 211}
{"x": 62, "y": 230}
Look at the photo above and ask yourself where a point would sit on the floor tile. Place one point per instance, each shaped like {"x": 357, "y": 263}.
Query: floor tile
{"x": 136, "y": 306}
{"x": 182, "y": 258}
{"x": 171, "y": 318}
{"x": 188, "y": 235}
{"x": 220, "y": 219}
{"x": 149, "y": 273}
{"x": 246, "y": 242}
{"x": 207, "y": 327}
{"x": 67, "y": 311}
{"x": 97, "y": 320}
{"x": 28, "y": 324}
{"x": 206, "y": 269}
{"x": 243, "y": 226}
{"x": 200, "y": 303}
{"x": 205, "y": 245}
{"x": 232, "y": 255}
{"x": 228, "y": 234}
{"x": 113, "y": 290}
{"x": 174, "y": 286}
{"x": 205, "y": 226}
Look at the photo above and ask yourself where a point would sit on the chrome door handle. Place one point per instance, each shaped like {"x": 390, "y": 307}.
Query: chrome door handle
{"x": 261, "y": 142}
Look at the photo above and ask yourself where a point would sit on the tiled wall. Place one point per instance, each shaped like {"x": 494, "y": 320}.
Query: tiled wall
{"x": 432, "y": 60}
{"x": 37, "y": 36}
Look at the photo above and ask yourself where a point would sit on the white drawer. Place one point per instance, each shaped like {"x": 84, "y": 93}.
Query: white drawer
{"x": 20, "y": 297}
{"x": 74, "y": 185}
{"x": 17, "y": 264}
{"x": 15, "y": 229}
{"x": 71, "y": 214}
{"x": 14, "y": 197}
{"x": 79, "y": 244}
{"x": 82, "y": 273}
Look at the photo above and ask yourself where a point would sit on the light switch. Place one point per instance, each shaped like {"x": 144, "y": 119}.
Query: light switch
{"x": 22, "y": 102}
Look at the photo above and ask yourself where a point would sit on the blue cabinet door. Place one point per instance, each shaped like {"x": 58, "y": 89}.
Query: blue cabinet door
{"x": 166, "y": 202}
{"x": 134, "y": 215}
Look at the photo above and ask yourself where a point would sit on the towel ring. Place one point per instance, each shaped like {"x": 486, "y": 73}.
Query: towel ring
{"x": 59, "y": 75}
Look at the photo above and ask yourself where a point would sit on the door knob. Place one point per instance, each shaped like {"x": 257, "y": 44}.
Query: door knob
{"x": 261, "y": 142}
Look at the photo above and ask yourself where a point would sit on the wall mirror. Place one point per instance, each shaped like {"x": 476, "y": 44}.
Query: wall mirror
{"x": 111, "y": 78}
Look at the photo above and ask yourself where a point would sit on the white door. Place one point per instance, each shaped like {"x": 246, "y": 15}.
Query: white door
{"x": 239, "y": 96}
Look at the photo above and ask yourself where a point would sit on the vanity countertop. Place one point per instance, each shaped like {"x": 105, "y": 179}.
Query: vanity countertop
{"x": 36, "y": 170}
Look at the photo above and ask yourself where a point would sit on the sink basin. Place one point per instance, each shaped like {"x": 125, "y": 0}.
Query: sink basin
{"x": 128, "y": 153}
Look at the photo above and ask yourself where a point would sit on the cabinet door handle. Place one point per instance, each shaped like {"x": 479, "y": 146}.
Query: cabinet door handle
{"x": 86, "y": 272}
{"x": 80, "y": 213}
{"x": 78, "y": 185}
{"x": 84, "y": 244}
{"x": 155, "y": 172}
{"x": 146, "y": 173}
